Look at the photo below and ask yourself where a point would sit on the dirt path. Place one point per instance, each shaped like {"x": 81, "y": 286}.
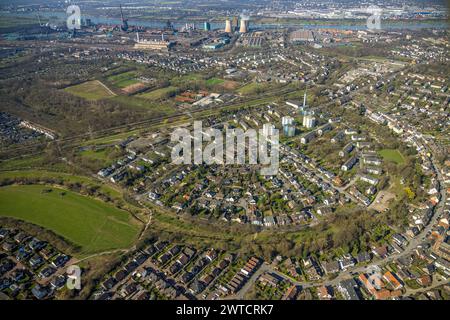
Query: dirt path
{"x": 106, "y": 88}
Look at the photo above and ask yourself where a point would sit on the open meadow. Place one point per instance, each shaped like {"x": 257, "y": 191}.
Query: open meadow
{"x": 90, "y": 90}
{"x": 89, "y": 223}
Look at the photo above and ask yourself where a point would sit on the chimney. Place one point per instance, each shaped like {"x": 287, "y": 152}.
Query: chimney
{"x": 304, "y": 100}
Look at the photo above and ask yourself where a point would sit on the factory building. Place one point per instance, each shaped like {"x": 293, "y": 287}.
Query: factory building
{"x": 152, "y": 44}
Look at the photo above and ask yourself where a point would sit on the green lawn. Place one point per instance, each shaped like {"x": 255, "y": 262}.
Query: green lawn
{"x": 392, "y": 155}
{"x": 99, "y": 155}
{"x": 26, "y": 162}
{"x": 214, "y": 81}
{"x": 158, "y": 94}
{"x": 124, "y": 79}
{"x": 250, "y": 88}
{"x": 87, "y": 222}
{"x": 43, "y": 174}
{"x": 90, "y": 90}
{"x": 186, "y": 78}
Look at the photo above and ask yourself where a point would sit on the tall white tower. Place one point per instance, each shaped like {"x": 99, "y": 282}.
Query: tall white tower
{"x": 304, "y": 101}
{"x": 228, "y": 28}
{"x": 244, "y": 26}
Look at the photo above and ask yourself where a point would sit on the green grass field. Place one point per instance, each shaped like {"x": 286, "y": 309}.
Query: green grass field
{"x": 158, "y": 94}
{"x": 43, "y": 174}
{"x": 392, "y": 155}
{"x": 250, "y": 88}
{"x": 27, "y": 162}
{"x": 123, "y": 80}
{"x": 93, "y": 225}
{"x": 99, "y": 155}
{"x": 90, "y": 90}
{"x": 214, "y": 82}
{"x": 186, "y": 78}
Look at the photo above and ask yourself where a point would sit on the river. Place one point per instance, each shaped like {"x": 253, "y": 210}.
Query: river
{"x": 60, "y": 17}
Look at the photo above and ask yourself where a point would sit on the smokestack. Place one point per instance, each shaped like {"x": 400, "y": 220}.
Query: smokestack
{"x": 304, "y": 100}
{"x": 124, "y": 26}
{"x": 244, "y": 26}
{"x": 228, "y": 26}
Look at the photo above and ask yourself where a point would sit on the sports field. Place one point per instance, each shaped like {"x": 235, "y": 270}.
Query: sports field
{"x": 93, "y": 225}
{"x": 90, "y": 90}
{"x": 392, "y": 155}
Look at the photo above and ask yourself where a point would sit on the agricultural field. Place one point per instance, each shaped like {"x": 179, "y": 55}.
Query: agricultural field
{"x": 392, "y": 155}
{"x": 89, "y": 223}
{"x": 91, "y": 90}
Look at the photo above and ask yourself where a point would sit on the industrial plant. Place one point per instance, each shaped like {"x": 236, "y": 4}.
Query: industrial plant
{"x": 237, "y": 24}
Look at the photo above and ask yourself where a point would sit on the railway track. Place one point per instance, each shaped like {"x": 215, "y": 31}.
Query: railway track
{"x": 37, "y": 148}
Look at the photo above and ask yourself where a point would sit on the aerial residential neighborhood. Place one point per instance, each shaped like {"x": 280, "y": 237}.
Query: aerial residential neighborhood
{"x": 232, "y": 152}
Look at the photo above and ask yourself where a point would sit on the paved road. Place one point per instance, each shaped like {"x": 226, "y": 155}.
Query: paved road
{"x": 436, "y": 283}
{"x": 249, "y": 284}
